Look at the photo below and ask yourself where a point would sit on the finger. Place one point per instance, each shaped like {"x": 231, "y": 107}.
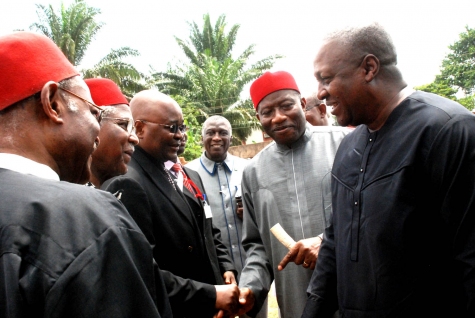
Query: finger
{"x": 289, "y": 257}
{"x": 243, "y": 294}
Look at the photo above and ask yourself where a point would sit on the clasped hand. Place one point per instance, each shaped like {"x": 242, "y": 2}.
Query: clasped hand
{"x": 232, "y": 301}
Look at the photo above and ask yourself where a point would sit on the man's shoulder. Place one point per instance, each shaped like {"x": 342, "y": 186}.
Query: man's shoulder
{"x": 67, "y": 203}
{"x": 337, "y": 131}
{"x": 194, "y": 164}
{"x": 437, "y": 104}
{"x": 192, "y": 173}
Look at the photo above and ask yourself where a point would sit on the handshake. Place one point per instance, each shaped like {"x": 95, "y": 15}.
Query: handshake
{"x": 231, "y": 301}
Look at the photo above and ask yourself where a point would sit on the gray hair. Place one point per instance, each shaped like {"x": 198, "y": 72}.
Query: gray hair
{"x": 370, "y": 39}
{"x": 314, "y": 96}
{"x": 216, "y": 118}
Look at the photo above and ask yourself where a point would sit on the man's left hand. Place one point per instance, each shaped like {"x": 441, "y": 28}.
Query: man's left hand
{"x": 303, "y": 252}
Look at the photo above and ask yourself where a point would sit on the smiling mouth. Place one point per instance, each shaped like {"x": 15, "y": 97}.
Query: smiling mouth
{"x": 280, "y": 128}
{"x": 129, "y": 152}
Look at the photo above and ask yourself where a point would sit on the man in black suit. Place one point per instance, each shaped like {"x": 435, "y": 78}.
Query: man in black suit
{"x": 175, "y": 220}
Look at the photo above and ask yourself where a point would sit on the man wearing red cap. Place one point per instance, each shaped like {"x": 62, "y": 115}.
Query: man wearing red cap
{"x": 67, "y": 250}
{"x": 285, "y": 183}
{"x": 117, "y": 133}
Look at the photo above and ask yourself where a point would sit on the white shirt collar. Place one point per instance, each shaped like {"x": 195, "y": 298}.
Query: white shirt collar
{"x": 179, "y": 177}
{"x": 27, "y": 166}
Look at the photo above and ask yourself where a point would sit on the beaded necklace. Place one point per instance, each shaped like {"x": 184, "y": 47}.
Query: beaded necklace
{"x": 169, "y": 178}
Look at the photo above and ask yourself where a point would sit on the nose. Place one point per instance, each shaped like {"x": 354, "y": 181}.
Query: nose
{"x": 178, "y": 135}
{"x": 279, "y": 115}
{"x": 216, "y": 135}
{"x": 133, "y": 139}
{"x": 322, "y": 92}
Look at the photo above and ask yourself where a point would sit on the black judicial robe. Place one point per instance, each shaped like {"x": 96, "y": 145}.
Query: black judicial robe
{"x": 71, "y": 251}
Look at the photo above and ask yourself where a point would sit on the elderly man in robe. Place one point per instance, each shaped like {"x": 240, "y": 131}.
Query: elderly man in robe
{"x": 67, "y": 250}
{"x": 117, "y": 134}
{"x": 284, "y": 184}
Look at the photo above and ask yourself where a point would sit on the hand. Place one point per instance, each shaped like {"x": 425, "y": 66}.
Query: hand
{"x": 246, "y": 301}
{"x": 239, "y": 212}
{"x": 229, "y": 278}
{"x": 239, "y": 207}
{"x": 227, "y": 300}
{"x": 303, "y": 252}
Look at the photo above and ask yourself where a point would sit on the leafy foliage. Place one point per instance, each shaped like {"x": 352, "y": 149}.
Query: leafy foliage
{"x": 113, "y": 67}
{"x": 458, "y": 68}
{"x": 72, "y": 28}
{"x": 457, "y": 72}
{"x": 213, "y": 79}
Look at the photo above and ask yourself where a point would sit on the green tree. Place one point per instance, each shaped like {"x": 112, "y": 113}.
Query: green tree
{"x": 457, "y": 73}
{"x": 72, "y": 28}
{"x": 213, "y": 79}
{"x": 439, "y": 87}
{"x": 458, "y": 68}
{"x": 113, "y": 67}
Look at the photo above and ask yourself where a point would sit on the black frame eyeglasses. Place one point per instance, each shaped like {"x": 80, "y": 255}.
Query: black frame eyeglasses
{"x": 173, "y": 128}
{"x": 130, "y": 128}
{"x": 100, "y": 112}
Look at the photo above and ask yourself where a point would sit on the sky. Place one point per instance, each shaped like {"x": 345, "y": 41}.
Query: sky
{"x": 421, "y": 29}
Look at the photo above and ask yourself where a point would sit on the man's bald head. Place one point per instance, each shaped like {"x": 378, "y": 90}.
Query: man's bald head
{"x": 156, "y": 118}
{"x": 148, "y": 102}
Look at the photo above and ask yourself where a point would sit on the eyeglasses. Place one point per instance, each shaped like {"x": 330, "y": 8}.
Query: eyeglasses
{"x": 98, "y": 112}
{"x": 126, "y": 124}
{"x": 172, "y": 128}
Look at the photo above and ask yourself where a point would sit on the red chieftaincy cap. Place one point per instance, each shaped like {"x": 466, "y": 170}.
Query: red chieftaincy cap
{"x": 27, "y": 62}
{"x": 270, "y": 82}
{"x": 105, "y": 92}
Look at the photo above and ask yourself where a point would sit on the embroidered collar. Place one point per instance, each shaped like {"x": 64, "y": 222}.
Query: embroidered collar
{"x": 210, "y": 166}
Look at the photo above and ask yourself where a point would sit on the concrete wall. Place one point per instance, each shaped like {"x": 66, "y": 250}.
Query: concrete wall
{"x": 248, "y": 151}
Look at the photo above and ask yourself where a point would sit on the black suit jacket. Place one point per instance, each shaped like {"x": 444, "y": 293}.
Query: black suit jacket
{"x": 184, "y": 241}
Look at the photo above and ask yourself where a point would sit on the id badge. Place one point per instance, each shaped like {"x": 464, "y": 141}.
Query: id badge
{"x": 207, "y": 209}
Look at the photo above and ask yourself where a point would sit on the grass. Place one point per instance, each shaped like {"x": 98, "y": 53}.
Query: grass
{"x": 273, "y": 308}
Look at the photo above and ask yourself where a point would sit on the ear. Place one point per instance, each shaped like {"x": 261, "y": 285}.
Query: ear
{"x": 53, "y": 104}
{"x": 303, "y": 102}
{"x": 323, "y": 109}
{"x": 371, "y": 66}
{"x": 139, "y": 131}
